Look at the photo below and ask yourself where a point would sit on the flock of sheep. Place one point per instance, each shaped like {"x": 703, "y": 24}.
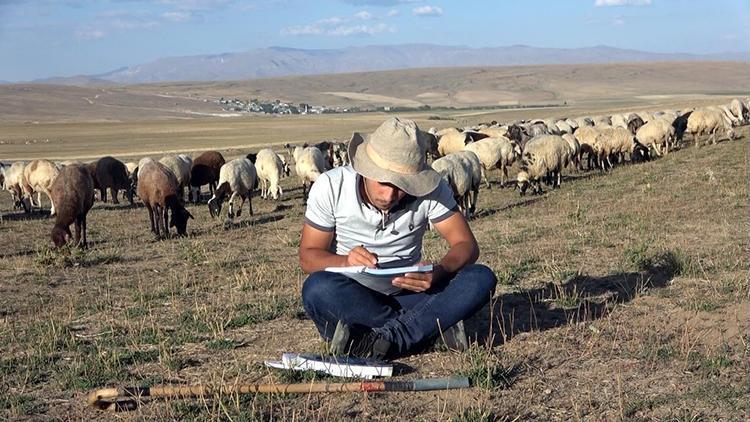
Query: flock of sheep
{"x": 463, "y": 157}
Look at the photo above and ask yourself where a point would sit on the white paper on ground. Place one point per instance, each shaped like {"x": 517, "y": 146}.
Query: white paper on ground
{"x": 361, "y": 269}
{"x": 347, "y": 367}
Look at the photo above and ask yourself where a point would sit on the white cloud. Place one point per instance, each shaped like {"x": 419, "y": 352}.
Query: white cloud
{"x": 88, "y": 34}
{"x": 363, "y": 15}
{"x": 600, "y": 3}
{"x": 176, "y": 16}
{"x": 392, "y": 12}
{"x": 340, "y": 27}
{"x": 427, "y": 11}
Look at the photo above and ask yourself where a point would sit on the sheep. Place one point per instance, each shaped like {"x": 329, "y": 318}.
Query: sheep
{"x": 543, "y": 157}
{"x": 619, "y": 120}
{"x": 131, "y": 167}
{"x": 495, "y": 152}
{"x": 159, "y": 190}
{"x": 634, "y": 123}
{"x": 38, "y": 176}
{"x": 563, "y": 127}
{"x": 14, "y": 184}
{"x": 452, "y": 141}
{"x": 575, "y": 150}
{"x": 73, "y": 193}
{"x": 740, "y": 110}
{"x": 286, "y": 172}
{"x": 108, "y": 172}
{"x": 180, "y": 165}
{"x": 729, "y": 115}
{"x": 309, "y": 164}
{"x": 584, "y": 121}
{"x": 236, "y": 178}
{"x": 708, "y": 121}
{"x": 462, "y": 172}
{"x": 602, "y": 121}
{"x": 495, "y": 132}
{"x": 658, "y": 133}
{"x": 586, "y": 136}
{"x": 205, "y": 171}
{"x": 680, "y": 125}
{"x": 269, "y": 168}
{"x": 613, "y": 140}
{"x": 572, "y": 123}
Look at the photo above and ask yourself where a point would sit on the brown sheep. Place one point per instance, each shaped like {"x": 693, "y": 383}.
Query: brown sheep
{"x": 111, "y": 173}
{"x": 73, "y": 195}
{"x": 205, "y": 171}
{"x": 160, "y": 191}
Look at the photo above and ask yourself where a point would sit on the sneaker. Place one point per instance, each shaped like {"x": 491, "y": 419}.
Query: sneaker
{"x": 455, "y": 337}
{"x": 366, "y": 345}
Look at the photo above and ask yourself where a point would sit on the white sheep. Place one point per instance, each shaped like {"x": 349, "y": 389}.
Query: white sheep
{"x": 543, "y": 157}
{"x": 708, "y": 121}
{"x": 564, "y": 127}
{"x": 270, "y": 168}
{"x": 619, "y": 120}
{"x": 611, "y": 141}
{"x": 586, "y": 136}
{"x": 14, "y": 184}
{"x": 237, "y": 177}
{"x": 733, "y": 120}
{"x": 309, "y": 163}
{"x": 572, "y": 123}
{"x": 575, "y": 150}
{"x": 463, "y": 173}
{"x": 657, "y": 133}
{"x": 452, "y": 141}
{"x": 180, "y": 165}
{"x": 495, "y": 152}
{"x": 38, "y": 176}
{"x": 740, "y": 110}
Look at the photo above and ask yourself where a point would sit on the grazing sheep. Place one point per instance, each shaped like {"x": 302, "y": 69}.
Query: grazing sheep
{"x": 205, "y": 171}
{"x": 734, "y": 120}
{"x": 73, "y": 193}
{"x": 575, "y": 150}
{"x": 309, "y": 164}
{"x": 159, "y": 190}
{"x": 495, "y": 132}
{"x": 495, "y": 152}
{"x": 462, "y": 172}
{"x": 285, "y": 165}
{"x": 236, "y": 178}
{"x": 110, "y": 173}
{"x": 543, "y": 158}
{"x": 619, "y": 120}
{"x": 453, "y": 141}
{"x": 38, "y": 176}
{"x": 680, "y": 125}
{"x": 602, "y": 121}
{"x": 180, "y": 165}
{"x": 269, "y": 168}
{"x": 586, "y": 136}
{"x": 572, "y": 123}
{"x": 14, "y": 184}
{"x": 131, "y": 167}
{"x": 563, "y": 127}
{"x": 634, "y": 123}
{"x": 613, "y": 141}
{"x": 584, "y": 121}
{"x": 658, "y": 133}
{"x": 740, "y": 110}
{"x": 708, "y": 121}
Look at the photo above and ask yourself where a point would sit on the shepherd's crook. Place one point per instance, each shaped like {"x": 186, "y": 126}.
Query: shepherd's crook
{"x": 127, "y": 398}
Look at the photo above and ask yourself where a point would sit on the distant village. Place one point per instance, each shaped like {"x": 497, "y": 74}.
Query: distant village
{"x": 279, "y": 107}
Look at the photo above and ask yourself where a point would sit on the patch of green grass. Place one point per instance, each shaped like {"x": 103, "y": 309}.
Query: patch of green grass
{"x": 474, "y": 415}
{"x": 514, "y": 273}
{"x": 263, "y": 310}
{"x": 21, "y": 404}
{"x": 638, "y": 257}
{"x": 566, "y": 297}
{"x": 193, "y": 253}
{"x": 485, "y": 369}
{"x": 220, "y": 344}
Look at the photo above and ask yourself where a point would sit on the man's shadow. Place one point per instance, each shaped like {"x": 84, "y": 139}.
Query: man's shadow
{"x": 580, "y": 299}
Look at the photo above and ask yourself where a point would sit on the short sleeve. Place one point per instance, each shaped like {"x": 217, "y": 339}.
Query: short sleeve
{"x": 441, "y": 204}
{"x": 320, "y": 208}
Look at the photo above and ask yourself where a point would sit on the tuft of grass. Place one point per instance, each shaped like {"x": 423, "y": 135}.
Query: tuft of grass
{"x": 221, "y": 344}
{"x": 514, "y": 273}
{"x": 637, "y": 256}
{"x": 485, "y": 369}
{"x": 474, "y": 415}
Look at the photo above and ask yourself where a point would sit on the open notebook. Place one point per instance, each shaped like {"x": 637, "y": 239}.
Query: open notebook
{"x": 381, "y": 272}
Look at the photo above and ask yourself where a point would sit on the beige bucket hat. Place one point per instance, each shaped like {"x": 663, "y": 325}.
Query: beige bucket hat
{"x": 394, "y": 153}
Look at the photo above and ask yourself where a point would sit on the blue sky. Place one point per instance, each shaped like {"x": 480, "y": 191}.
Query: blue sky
{"x": 42, "y": 38}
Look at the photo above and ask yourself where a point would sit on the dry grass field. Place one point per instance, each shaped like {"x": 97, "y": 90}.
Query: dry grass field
{"x": 621, "y": 296}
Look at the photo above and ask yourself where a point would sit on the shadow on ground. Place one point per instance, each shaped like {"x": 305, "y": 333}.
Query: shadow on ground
{"x": 580, "y": 299}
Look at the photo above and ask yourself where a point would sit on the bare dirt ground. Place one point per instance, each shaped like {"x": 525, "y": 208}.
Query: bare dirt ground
{"x": 621, "y": 296}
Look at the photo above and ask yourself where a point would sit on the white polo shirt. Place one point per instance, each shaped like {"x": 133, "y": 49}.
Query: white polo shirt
{"x": 335, "y": 204}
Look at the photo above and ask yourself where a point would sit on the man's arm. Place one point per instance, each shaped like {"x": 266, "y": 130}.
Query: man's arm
{"x": 463, "y": 251}
{"x": 315, "y": 256}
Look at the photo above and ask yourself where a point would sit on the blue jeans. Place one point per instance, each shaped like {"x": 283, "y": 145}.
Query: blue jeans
{"x": 409, "y": 320}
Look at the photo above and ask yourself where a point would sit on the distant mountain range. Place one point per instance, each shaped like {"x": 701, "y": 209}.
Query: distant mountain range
{"x": 281, "y": 61}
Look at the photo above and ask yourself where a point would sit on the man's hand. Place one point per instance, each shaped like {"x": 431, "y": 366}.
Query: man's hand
{"x": 419, "y": 282}
{"x": 361, "y": 256}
